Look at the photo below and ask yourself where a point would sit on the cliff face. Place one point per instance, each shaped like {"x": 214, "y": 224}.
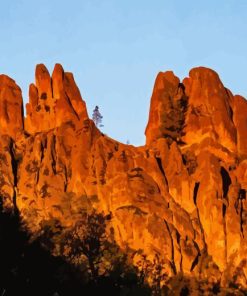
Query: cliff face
{"x": 182, "y": 195}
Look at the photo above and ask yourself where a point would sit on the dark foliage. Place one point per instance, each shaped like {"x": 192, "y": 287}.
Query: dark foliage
{"x": 174, "y": 119}
{"x": 26, "y": 268}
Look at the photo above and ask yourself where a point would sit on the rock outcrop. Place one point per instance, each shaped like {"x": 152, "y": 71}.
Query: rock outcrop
{"x": 181, "y": 196}
{"x": 53, "y": 100}
{"x": 11, "y": 109}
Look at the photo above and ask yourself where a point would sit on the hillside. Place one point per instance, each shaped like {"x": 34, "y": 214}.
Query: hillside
{"x": 181, "y": 196}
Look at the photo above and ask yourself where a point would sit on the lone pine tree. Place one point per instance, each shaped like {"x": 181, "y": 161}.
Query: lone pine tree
{"x": 97, "y": 117}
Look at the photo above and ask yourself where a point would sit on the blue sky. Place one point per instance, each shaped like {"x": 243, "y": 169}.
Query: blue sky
{"x": 116, "y": 48}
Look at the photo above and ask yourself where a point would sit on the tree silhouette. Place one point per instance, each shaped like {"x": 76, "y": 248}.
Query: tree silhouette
{"x": 94, "y": 263}
{"x": 86, "y": 242}
{"x": 97, "y": 117}
{"x": 26, "y": 268}
{"x": 92, "y": 249}
{"x": 152, "y": 271}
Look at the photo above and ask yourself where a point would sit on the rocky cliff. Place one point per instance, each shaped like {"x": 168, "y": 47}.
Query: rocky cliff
{"x": 181, "y": 196}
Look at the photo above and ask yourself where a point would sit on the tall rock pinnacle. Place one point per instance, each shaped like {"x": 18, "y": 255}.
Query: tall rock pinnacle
{"x": 210, "y": 112}
{"x": 53, "y": 100}
{"x": 189, "y": 112}
{"x": 167, "y": 109}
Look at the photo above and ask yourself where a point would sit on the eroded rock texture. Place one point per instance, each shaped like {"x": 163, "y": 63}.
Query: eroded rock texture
{"x": 182, "y": 195}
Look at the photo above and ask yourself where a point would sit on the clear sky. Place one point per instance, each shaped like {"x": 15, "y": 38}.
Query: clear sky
{"x": 115, "y": 48}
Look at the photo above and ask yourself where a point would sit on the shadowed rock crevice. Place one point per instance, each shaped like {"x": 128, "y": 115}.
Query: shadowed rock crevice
{"x": 226, "y": 181}
{"x": 195, "y": 262}
{"x": 53, "y": 154}
{"x": 172, "y": 263}
{"x": 195, "y": 192}
{"x": 15, "y": 161}
{"x": 159, "y": 162}
{"x": 242, "y": 199}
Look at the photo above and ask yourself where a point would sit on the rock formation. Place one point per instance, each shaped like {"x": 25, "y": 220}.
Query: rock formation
{"x": 182, "y": 195}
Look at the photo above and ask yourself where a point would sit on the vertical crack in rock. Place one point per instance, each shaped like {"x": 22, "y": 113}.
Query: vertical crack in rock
{"x": 242, "y": 196}
{"x": 181, "y": 259}
{"x": 66, "y": 179}
{"x": 196, "y": 260}
{"x": 226, "y": 182}
{"x": 159, "y": 162}
{"x": 43, "y": 147}
{"x": 195, "y": 194}
{"x": 14, "y": 165}
{"x": 196, "y": 188}
{"x": 230, "y": 110}
{"x": 53, "y": 154}
{"x": 71, "y": 106}
{"x": 173, "y": 266}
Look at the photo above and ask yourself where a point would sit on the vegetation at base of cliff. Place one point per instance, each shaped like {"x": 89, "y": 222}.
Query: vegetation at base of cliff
{"x": 90, "y": 263}
{"x": 27, "y": 268}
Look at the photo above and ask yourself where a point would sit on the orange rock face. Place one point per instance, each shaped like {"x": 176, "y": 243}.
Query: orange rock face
{"x": 53, "y": 100}
{"x": 182, "y": 195}
{"x": 240, "y": 120}
{"x": 11, "y": 108}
